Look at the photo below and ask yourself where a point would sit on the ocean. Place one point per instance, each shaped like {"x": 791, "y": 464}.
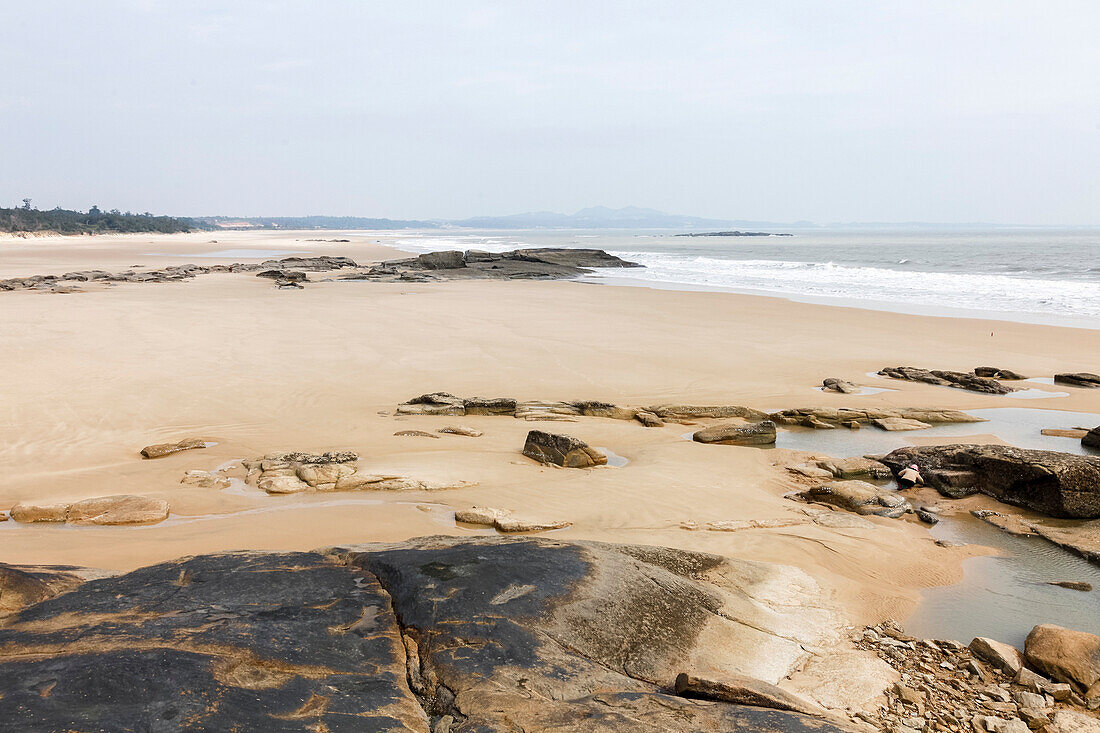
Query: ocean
{"x": 1048, "y": 276}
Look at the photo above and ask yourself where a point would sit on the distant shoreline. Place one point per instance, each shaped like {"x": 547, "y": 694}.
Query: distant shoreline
{"x": 734, "y": 234}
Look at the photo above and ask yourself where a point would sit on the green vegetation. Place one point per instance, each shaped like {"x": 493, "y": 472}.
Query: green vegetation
{"x": 94, "y": 221}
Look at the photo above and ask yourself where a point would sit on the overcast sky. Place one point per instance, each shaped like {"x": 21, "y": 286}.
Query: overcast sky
{"x": 827, "y": 111}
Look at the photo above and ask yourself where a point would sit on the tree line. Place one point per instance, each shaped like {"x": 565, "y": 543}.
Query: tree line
{"x": 26, "y": 218}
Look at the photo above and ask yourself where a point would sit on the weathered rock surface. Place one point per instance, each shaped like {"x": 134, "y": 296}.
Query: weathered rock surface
{"x": 297, "y": 472}
{"x": 505, "y": 521}
{"x": 998, "y": 373}
{"x": 1078, "y": 433}
{"x": 166, "y": 449}
{"x": 1065, "y": 655}
{"x": 463, "y": 430}
{"x": 860, "y": 497}
{"x": 1004, "y": 657}
{"x": 452, "y": 634}
{"x": 205, "y": 479}
{"x": 548, "y": 263}
{"x": 699, "y": 412}
{"x": 1078, "y": 379}
{"x": 962, "y": 380}
{"x": 25, "y": 585}
{"x": 436, "y": 403}
{"x": 490, "y": 406}
{"x": 895, "y": 424}
{"x": 855, "y": 468}
{"x": 561, "y": 450}
{"x": 832, "y": 417}
{"x": 121, "y": 509}
{"x": 834, "y": 384}
{"x": 1052, "y": 483}
{"x": 761, "y": 433}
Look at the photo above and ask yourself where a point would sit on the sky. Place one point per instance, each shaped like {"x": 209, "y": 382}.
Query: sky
{"x": 982, "y": 111}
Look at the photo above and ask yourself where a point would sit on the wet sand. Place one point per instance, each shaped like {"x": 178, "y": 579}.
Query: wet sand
{"x": 90, "y": 378}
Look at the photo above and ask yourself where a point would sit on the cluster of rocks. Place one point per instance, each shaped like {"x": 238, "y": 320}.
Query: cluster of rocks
{"x": 1049, "y": 482}
{"x": 504, "y": 520}
{"x": 445, "y": 403}
{"x": 109, "y": 510}
{"x": 548, "y": 263}
{"x": 973, "y": 381}
{"x": 438, "y": 634}
{"x": 893, "y": 419}
{"x": 288, "y": 271}
{"x": 1078, "y": 379}
{"x": 561, "y": 450}
{"x": 297, "y": 472}
{"x": 988, "y": 687}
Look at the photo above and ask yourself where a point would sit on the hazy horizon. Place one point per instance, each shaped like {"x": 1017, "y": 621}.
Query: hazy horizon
{"x": 784, "y": 112}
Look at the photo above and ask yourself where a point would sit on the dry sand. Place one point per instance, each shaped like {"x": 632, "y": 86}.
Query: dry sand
{"x": 90, "y": 378}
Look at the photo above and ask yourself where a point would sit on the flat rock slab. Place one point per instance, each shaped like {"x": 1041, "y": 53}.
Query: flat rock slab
{"x": 761, "y": 433}
{"x": 121, "y": 509}
{"x": 160, "y": 450}
{"x": 498, "y": 634}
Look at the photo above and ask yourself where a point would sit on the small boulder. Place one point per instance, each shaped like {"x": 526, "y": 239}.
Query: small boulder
{"x": 480, "y": 515}
{"x": 166, "y": 449}
{"x": 1004, "y": 657}
{"x": 30, "y": 513}
{"x": 896, "y": 424}
{"x": 205, "y": 479}
{"x": 1078, "y": 379}
{"x": 761, "y": 433}
{"x": 649, "y": 419}
{"x": 1091, "y": 439}
{"x": 1065, "y": 655}
{"x": 855, "y": 467}
{"x": 833, "y": 384}
{"x": 997, "y": 373}
{"x": 511, "y": 524}
{"x": 446, "y": 260}
{"x": 561, "y": 450}
{"x": 860, "y": 497}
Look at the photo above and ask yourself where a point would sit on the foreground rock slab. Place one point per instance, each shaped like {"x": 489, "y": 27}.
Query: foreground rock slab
{"x": 435, "y": 634}
{"x": 1052, "y": 483}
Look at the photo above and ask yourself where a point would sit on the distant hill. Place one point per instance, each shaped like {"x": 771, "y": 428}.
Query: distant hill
{"x": 94, "y": 221}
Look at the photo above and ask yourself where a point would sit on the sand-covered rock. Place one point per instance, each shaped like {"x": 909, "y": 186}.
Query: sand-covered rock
{"x": 489, "y": 406}
{"x": 504, "y": 520}
{"x": 161, "y": 450}
{"x": 120, "y": 509}
{"x": 471, "y": 634}
{"x": 1065, "y": 655}
{"x": 860, "y": 497}
{"x": 761, "y": 433}
{"x": 561, "y": 450}
{"x": 25, "y": 585}
{"x": 1049, "y": 482}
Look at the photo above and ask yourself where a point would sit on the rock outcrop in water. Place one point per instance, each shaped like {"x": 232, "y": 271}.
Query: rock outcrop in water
{"x": 436, "y": 634}
{"x": 961, "y": 380}
{"x": 1048, "y": 482}
{"x": 1078, "y": 379}
{"x": 548, "y": 263}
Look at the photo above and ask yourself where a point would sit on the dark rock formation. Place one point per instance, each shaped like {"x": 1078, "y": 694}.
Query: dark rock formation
{"x": 25, "y": 585}
{"x": 462, "y": 635}
{"x": 561, "y": 450}
{"x": 522, "y": 264}
{"x": 699, "y": 412}
{"x": 1091, "y": 439}
{"x": 1078, "y": 379}
{"x": 962, "y": 380}
{"x": 1052, "y": 483}
{"x": 998, "y": 373}
{"x": 448, "y": 260}
{"x": 761, "y": 433}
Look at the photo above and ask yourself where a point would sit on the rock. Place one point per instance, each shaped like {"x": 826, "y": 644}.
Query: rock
{"x": 1082, "y": 538}
{"x": 319, "y": 474}
{"x": 831, "y": 417}
{"x": 415, "y": 434}
{"x": 561, "y": 450}
{"x": 997, "y": 373}
{"x": 834, "y": 384}
{"x": 860, "y": 497}
{"x": 461, "y": 430}
{"x": 1071, "y": 721}
{"x": 1052, "y": 483}
{"x": 205, "y": 479}
{"x": 605, "y": 409}
{"x": 30, "y": 513}
{"x": 1078, "y": 379}
{"x": 25, "y": 585}
{"x": 121, "y": 509}
{"x": 523, "y": 524}
{"x": 744, "y": 691}
{"x": 541, "y": 410}
{"x": 1091, "y": 439}
{"x": 282, "y": 484}
{"x": 1072, "y": 585}
{"x": 495, "y": 633}
{"x": 908, "y": 694}
{"x": 761, "y": 433}
{"x": 926, "y": 516}
{"x": 894, "y": 424}
{"x": 813, "y": 472}
{"x": 1078, "y": 433}
{"x": 166, "y": 449}
{"x": 1004, "y": 657}
{"x": 649, "y": 419}
{"x": 698, "y": 412}
{"x": 1009, "y": 523}
{"x": 448, "y": 260}
{"x": 1065, "y": 655}
{"x": 848, "y": 468}
{"x": 480, "y": 515}
{"x": 962, "y": 380}
{"x": 490, "y": 406}
{"x": 436, "y": 403}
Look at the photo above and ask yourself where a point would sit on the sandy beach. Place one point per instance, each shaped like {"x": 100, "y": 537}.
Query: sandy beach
{"x": 92, "y": 377}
